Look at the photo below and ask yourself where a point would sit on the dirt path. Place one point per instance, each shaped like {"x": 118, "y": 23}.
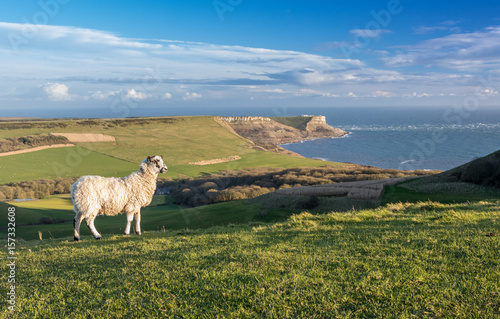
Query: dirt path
{"x": 216, "y": 161}
{"x": 34, "y": 149}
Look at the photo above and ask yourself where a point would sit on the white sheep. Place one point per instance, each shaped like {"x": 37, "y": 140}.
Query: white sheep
{"x": 97, "y": 195}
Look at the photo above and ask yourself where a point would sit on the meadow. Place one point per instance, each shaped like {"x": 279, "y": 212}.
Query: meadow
{"x": 426, "y": 249}
{"x": 180, "y": 139}
{"x": 422, "y": 260}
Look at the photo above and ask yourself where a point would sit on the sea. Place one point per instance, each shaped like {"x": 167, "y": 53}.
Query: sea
{"x": 407, "y": 138}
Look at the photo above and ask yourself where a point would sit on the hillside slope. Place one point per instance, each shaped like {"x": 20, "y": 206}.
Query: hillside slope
{"x": 482, "y": 171}
{"x": 480, "y": 177}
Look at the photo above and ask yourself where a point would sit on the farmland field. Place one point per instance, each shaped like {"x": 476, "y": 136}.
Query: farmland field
{"x": 181, "y": 140}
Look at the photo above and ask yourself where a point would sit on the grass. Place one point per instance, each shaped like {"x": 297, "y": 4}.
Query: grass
{"x": 433, "y": 188}
{"x": 163, "y": 215}
{"x": 421, "y": 260}
{"x": 255, "y": 159}
{"x": 293, "y": 121}
{"x": 181, "y": 140}
{"x": 187, "y": 139}
{"x": 61, "y": 162}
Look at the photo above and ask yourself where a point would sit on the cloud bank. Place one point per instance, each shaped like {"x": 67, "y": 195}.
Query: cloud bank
{"x": 77, "y": 65}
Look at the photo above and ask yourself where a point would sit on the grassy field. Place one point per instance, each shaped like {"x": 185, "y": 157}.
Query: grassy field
{"x": 422, "y": 260}
{"x": 394, "y": 194}
{"x": 435, "y": 188}
{"x": 180, "y": 139}
{"x": 162, "y": 215}
{"x": 61, "y": 162}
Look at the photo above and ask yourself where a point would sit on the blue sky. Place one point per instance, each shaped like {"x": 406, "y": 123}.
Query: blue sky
{"x": 124, "y": 56}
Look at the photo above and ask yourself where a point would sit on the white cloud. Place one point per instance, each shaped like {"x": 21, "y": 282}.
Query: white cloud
{"x": 368, "y": 33}
{"x": 22, "y": 34}
{"x": 380, "y": 93}
{"x": 462, "y": 51}
{"x": 85, "y": 59}
{"x": 427, "y": 30}
{"x": 98, "y": 95}
{"x": 448, "y": 25}
{"x": 57, "y": 92}
{"x": 134, "y": 95}
{"x": 191, "y": 96}
{"x": 415, "y": 94}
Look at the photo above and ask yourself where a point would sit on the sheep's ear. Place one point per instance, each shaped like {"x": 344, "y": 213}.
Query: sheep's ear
{"x": 161, "y": 156}
{"x": 149, "y": 159}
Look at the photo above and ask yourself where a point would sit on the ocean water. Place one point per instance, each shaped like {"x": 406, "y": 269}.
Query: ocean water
{"x": 406, "y": 138}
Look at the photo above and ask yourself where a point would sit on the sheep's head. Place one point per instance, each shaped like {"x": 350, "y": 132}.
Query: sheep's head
{"x": 156, "y": 162}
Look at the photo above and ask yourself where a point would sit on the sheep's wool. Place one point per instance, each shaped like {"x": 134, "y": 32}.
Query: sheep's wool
{"x": 112, "y": 196}
{"x": 97, "y": 195}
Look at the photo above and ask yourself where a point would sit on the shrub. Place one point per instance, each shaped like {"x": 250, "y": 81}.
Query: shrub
{"x": 248, "y": 183}
{"x": 312, "y": 203}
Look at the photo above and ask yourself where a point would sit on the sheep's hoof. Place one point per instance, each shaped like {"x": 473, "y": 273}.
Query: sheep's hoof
{"x": 77, "y": 238}
{"x": 125, "y": 234}
{"x": 98, "y": 238}
{"x": 138, "y": 233}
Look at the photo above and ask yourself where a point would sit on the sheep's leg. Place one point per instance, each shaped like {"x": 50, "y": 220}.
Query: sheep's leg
{"x": 138, "y": 222}
{"x": 130, "y": 217}
{"x": 93, "y": 230}
{"x": 76, "y": 226}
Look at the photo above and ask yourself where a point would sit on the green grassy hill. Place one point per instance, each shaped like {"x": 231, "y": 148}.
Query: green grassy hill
{"x": 268, "y": 257}
{"x": 482, "y": 171}
{"x": 180, "y": 139}
{"x": 474, "y": 181}
{"x": 420, "y": 260}
{"x": 48, "y": 216}
{"x": 61, "y": 162}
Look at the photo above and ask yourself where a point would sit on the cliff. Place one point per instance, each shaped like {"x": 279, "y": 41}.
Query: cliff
{"x": 268, "y": 132}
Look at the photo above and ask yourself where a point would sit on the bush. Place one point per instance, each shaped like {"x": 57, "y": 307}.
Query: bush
{"x": 248, "y": 183}
{"x": 36, "y": 189}
{"x": 312, "y": 203}
{"x": 17, "y": 143}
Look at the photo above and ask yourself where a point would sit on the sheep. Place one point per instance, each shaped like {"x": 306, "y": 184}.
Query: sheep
{"x": 97, "y": 195}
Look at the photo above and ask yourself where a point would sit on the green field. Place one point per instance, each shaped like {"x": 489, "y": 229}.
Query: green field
{"x": 61, "y": 162}
{"x": 421, "y": 260}
{"x": 431, "y": 249}
{"x": 180, "y": 139}
{"x": 435, "y": 188}
{"x": 161, "y": 215}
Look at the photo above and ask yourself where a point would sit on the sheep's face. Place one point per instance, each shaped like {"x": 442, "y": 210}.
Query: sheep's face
{"x": 157, "y": 163}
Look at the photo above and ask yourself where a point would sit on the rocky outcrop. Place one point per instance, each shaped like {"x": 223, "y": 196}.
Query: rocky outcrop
{"x": 264, "y": 130}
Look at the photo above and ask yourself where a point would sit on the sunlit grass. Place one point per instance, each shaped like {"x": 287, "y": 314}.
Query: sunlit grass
{"x": 402, "y": 260}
